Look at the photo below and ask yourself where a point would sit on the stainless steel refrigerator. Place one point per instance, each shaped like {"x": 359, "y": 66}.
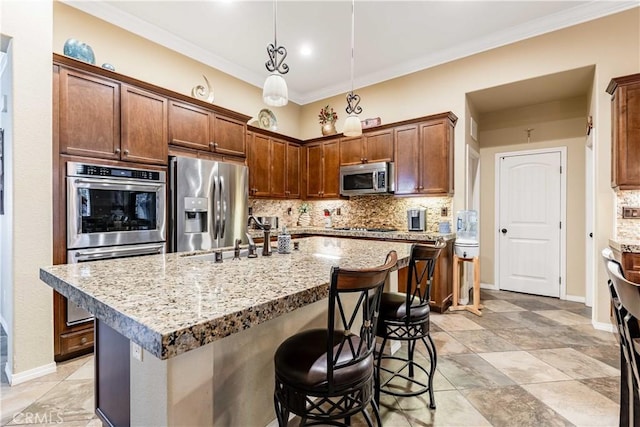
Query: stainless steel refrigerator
{"x": 208, "y": 204}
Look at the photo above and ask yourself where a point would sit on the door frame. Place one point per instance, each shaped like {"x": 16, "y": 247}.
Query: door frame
{"x": 590, "y": 255}
{"x": 563, "y": 212}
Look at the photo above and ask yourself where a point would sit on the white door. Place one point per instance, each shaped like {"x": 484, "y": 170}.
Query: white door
{"x": 589, "y": 215}
{"x": 529, "y": 218}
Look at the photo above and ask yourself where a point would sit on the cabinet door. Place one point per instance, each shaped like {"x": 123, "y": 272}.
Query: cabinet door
{"x": 189, "y": 126}
{"x": 278, "y": 161}
{"x": 331, "y": 169}
{"x": 437, "y": 158}
{"x": 89, "y": 115}
{"x": 631, "y": 266}
{"x": 144, "y": 126}
{"x": 406, "y": 159}
{"x": 229, "y": 136}
{"x": 625, "y": 122}
{"x": 352, "y": 151}
{"x": 293, "y": 171}
{"x": 259, "y": 166}
{"x": 315, "y": 174}
{"x": 378, "y": 146}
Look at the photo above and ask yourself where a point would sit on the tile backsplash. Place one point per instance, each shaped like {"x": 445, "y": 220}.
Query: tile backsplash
{"x": 362, "y": 211}
{"x": 627, "y": 229}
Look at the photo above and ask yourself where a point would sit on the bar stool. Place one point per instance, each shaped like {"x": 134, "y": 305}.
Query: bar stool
{"x": 476, "y": 306}
{"x": 328, "y": 374}
{"x": 405, "y": 317}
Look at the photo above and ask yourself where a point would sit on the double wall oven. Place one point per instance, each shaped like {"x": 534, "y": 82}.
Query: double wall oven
{"x": 112, "y": 212}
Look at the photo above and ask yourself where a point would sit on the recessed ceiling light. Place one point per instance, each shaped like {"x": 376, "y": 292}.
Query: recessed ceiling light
{"x": 305, "y": 50}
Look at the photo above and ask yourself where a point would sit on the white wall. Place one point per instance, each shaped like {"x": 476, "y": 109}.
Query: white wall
{"x": 30, "y": 25}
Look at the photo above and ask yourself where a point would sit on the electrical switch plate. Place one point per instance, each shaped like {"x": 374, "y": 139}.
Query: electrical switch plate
{"x": 633, "y": 213}
{"x": 136, "y": 351}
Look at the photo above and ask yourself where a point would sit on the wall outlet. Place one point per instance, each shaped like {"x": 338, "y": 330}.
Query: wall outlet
{"x": 136, "y": 351}
{"x": 444, "y": 211}
{"x": 338, "y": 211}
{"x": 633, "y": 213}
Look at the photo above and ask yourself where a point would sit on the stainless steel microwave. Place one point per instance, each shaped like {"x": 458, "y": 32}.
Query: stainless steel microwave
{"x": 367, "y": 178}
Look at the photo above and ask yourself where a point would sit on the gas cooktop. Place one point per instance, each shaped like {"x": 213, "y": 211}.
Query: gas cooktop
{"x": 379, "y": 230}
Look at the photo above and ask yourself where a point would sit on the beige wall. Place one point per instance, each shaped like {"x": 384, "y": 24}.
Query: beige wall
{"x": 29, "y": 24}
{"x": 137, "y": 57}
{"x": 548, "y": 133}
{"x": 611, "y": 44}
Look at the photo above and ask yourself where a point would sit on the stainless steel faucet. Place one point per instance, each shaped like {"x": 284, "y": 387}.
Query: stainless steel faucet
{"x": 236, "y": 249}
{"x": 266, "y": 230}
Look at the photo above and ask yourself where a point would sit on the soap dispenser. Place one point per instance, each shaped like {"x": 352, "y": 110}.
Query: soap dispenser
{"x": 284, "y": 241}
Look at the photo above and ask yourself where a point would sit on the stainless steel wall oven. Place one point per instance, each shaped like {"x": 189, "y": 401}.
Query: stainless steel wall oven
{"x": 113, "y": 212}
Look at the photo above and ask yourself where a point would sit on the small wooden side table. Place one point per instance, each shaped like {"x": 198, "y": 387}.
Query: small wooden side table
{"x": 476, "y": 306}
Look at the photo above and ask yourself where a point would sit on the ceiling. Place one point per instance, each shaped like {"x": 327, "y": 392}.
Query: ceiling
{"x": 392, "y": 38}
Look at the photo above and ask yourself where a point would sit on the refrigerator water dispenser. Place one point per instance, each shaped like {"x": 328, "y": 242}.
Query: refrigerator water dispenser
{"x": 195, "y": 215}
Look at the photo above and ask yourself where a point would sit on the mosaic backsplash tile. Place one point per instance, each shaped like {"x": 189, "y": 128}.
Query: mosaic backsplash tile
{"x": 363, "y": 211}
{"x": 627, "y": 229}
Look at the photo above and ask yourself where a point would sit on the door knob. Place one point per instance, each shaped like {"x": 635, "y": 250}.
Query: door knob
{"x": 504, "y": 231}
{"x": 590, "y": 234}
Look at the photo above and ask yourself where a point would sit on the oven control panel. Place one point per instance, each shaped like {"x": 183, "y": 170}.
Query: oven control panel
{"x": 83, "y": 169}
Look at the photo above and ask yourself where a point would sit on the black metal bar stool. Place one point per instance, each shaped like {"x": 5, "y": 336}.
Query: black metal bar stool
{"x": 405, "y": 317}
{"x": 625, "y": 297}
{"x": 327, "y": 375}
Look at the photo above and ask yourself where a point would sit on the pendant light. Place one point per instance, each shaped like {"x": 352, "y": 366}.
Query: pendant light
{"x": 352, "y": 125}
{"x": 275, "y": 91}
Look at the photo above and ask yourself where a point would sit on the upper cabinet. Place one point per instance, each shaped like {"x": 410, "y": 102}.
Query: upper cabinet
{"x": 193, "y": 127}
{"x": 369, "y": 148}
{"x": 323, "y": 169}
{"x": 424, "y": 156}
{"x": 89, "y": 115}
{"x": 274, "y": 166}
{"x": 144, "y": 125}
{"x": 625, "y": 132}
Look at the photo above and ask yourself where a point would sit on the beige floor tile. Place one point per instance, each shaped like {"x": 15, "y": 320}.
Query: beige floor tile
{"x": 483, "y": 341}
{"x": 500, "y": 306}
{"x": 452, "y": 409}
{"x": 14, "y": 400}
{"x": 575, "y": 364}
{"x": 85, "y": 372}
{"x": 576, "y": 402}
{"x": 455, "y": 322}
{"x": 446, "y": 344}
{"x": 522, "y": 367}
{"x": 564, "y": 317}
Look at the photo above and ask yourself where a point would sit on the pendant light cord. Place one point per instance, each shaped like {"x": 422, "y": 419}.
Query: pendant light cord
{"x": 275, "y": 23}
{"x": 353, "y": 36}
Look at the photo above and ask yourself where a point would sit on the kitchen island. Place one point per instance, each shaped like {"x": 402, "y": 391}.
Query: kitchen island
{"x": 208, "y": 331}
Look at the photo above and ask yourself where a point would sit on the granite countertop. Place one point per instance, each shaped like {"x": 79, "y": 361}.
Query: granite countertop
{"x": 413, "y": 236}
{"x": 625, "y": 245}
{"x": 173, "y": 303}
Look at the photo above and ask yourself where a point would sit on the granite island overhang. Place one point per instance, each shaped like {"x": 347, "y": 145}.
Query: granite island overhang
{"x": 198, "y": 318}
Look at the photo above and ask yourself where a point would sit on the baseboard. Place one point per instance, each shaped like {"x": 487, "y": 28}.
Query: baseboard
{"x": 574, "y": 298}
{"x": 603, "y": 326}
{"x": 19, "y": 378}
{"x": 489, "y": 286}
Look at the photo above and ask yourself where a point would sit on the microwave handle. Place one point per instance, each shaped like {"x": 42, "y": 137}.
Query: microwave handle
{"x": 375, "y": 180}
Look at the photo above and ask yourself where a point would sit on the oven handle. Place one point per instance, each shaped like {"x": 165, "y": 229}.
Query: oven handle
{"x": 118, "y": 252}
{"x": 129, "y": 185}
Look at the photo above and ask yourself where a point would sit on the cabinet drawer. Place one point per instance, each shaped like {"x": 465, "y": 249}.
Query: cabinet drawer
{"x": 76, "y": 341}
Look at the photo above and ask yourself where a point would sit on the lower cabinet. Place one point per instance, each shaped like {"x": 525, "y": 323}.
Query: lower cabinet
{"x": 69, "y": 341}
{"x": 441, "y": 288}
{"x": 631, "y": 266}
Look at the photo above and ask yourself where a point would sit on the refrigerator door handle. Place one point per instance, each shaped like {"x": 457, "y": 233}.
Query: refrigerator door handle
{"x": 223, "y": 201}
{"x": 216, "y": 209}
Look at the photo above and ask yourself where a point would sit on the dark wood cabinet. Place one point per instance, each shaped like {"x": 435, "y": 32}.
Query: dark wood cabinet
{"x": 424, "y": 156}
{"x": 323, "y": 169}
{"x": 274, "y": 166}
{"x": 294, "y": 167}
{"x": 89, "y": 115}
{"x": 631, "y": 266}
{"x": 197, "y": 128}
{"x": 442, "y": 286}
{"x": 369, "y": 148}
{"x": 625, "y": 132}
{"x": 144, "y": 126}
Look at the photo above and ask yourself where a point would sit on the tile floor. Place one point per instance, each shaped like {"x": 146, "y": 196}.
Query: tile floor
{"x": 528, "y": 361}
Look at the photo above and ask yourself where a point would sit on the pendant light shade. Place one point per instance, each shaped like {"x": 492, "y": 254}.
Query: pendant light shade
{"x": 275, "y": 92}
{"x": 352, "y": 125}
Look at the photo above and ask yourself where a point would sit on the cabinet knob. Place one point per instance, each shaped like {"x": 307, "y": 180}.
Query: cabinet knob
{"x": 83, "y": 340}
{"x": 362, "y": 159}
{"x": 117, "y": 151}
{"x": 421, "y": 187}
{"x": 215, "y": 144}
{"x": 211, "y": 144}
{"x": 126, "y": 152}
{"x": 366, "y": 160}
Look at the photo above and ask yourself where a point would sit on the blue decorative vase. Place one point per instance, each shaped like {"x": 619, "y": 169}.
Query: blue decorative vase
{"x": 79, "y": 50}
{"x": 108, "y": 66}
